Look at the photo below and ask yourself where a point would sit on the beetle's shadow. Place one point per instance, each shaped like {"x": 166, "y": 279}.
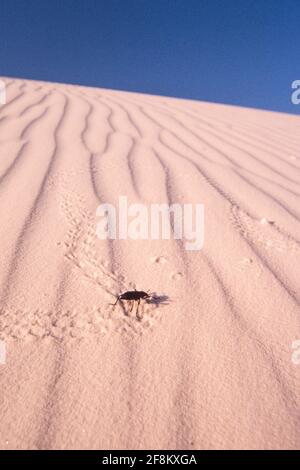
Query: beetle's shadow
{"x": 158, "y": 299}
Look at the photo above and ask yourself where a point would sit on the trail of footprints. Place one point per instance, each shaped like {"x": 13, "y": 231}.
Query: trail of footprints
{"x": 61, "y": 325}
{"x": 81, "y": 252}
{"x": 69, "y": 324}
{"x": 262, "y": 232}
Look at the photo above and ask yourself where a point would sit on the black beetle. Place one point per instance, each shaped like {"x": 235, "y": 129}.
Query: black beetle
{"x": 132, "y": 296}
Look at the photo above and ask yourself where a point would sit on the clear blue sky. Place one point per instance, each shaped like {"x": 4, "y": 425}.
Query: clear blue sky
{"x": 242, "y": 52}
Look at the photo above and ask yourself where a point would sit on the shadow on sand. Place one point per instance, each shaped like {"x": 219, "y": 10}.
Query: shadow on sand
{"x": 158, "y": 299}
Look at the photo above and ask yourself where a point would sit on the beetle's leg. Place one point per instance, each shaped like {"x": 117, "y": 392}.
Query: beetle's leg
{"x": 118, "y": 298}
{"x": 125, "y": 310}
{"x": 132, "y": 304}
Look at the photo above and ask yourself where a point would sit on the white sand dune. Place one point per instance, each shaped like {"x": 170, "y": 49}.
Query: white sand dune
{"x": 210, "y": 366}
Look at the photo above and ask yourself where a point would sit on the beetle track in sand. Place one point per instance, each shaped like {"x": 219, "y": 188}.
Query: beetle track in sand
{"x": 82, "y": 235}
{"x": 70, "y": 324}
{"x": 267, "y": 235}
